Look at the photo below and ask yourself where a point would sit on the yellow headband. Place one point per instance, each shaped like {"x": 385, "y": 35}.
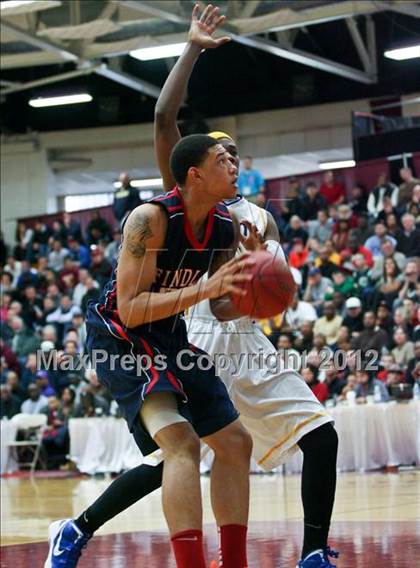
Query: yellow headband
{"x": 218, "y": 135}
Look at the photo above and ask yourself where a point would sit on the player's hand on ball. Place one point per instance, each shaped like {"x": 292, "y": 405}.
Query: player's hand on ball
{"x": 227, "y": 278}
{"x": 203, "y": 27}
{"x": 251, "y": 239}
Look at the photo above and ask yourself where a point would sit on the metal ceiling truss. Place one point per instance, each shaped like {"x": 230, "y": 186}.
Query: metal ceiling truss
{"x": 285, "y": 23}
{"x": 84, "y": 66}
{"x": 279, "y": 49}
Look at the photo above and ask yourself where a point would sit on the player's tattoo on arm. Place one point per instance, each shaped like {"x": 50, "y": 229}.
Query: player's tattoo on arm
{"x": 138, "y": 231}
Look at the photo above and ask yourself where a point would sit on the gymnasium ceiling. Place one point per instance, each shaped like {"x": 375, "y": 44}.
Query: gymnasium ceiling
{"x": 283, "y": 53}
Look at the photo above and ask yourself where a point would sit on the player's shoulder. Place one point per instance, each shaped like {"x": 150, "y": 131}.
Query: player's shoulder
{"x": 149, "y": 217}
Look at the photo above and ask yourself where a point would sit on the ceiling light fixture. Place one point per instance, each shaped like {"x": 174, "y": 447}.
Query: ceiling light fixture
{"x": 337, "y": 165}
{"x": 62, "y": 100}
{"x": 152, "y": 182}
{"x": 15, "y": 3}
{"x": 403, "y": 53}
{"x": 158, "y": 51}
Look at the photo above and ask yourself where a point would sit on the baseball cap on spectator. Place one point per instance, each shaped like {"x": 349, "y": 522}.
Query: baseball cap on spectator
{"x": 353, "y": 302}
{"x": 47, "y": 346}
{"x": 314, "y": 272}
{"x": 42, "y": 374}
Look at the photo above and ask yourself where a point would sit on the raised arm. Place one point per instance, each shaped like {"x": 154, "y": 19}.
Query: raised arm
{"x": 173, "y": 92}
{"x": 144, "y": 236}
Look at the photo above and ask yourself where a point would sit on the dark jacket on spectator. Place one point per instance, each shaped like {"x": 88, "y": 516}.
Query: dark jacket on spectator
{"x": 409, "y": 244}
{"x": 9, "y": 407}
{"x": 291, "y": 234}
{"x": 310, "y": 207}
{"x": 125, "y": 200}
{"x": 370, "y": 339}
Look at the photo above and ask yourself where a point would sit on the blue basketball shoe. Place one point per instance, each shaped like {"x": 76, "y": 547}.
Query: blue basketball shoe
{"x": 318, "y": 559}
{"x": 66, "y": 542}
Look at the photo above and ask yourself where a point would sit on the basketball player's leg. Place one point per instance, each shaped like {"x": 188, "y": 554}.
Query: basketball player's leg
{"x": 319, "y": 476}
{"x": 232, "y": 447}
{"x": 181, "y": 491}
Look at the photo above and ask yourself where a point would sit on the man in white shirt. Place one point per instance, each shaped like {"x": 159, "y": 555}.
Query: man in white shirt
{"x": 299, "y": 312}
{"x": 36, "y": 402}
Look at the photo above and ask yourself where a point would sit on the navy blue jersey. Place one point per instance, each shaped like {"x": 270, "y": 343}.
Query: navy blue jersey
{"x": 182, "y": 262}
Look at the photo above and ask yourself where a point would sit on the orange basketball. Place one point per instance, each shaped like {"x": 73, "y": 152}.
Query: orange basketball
{"x": 270, "y": 291}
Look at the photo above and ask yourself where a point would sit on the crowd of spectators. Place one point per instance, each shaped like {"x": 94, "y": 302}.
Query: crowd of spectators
{"x": 355, "y": 257}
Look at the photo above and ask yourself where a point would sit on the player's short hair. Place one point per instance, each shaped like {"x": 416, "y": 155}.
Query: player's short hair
{"x": 190, "y": 151}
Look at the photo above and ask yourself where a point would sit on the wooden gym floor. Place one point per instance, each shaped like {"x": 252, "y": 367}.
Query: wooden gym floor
{"x": 375, "y": 524}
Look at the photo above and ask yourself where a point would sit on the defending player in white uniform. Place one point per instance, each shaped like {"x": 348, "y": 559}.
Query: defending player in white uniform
{"x": 276, "y": 405}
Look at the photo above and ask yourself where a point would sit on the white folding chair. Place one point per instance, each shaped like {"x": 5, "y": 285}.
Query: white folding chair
{"x": 31, "y": 427}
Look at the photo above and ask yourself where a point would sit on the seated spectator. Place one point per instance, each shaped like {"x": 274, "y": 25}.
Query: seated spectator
{"x": 354, "y": 316}
{"x": 29, "y": 371}
{"x": 412, "y": 364}
{"x": 392, "y": 225}
{"x": 317, "y": 287}
{"x": 298, "y": 254}
{"x": 112, "y": 249}
{"x": 43, "y": 384}
{"x": 343, "y": 282}
{"x": 321, "y": 228}
{"x": 374, "y": 242}
{"x": 55, "y": 437}
{"x": 326, "y": 261}
{"x": 333, "y": 381}
{"x": 406, "y": 188}
{"x": 355, "y": 248}
{"x": 68, "y": 407}
{"x": 385, "y": 363}
{"x": 408, "y": 238}
{"x": 372, "y": 338}
{"x": 387, "y": 251}
{"x": 250, "y": 180}
{"x": 92, "y": 293}
{"x": 332, "y": 190}
{"x": 305, "y": 340}
{"x": 7, "y": 355}
{"x": 40, "y": 239}
{"x": 384, "y": 188}
{"x": 358, "y": 201}
{"x": 63, "y": 315}
{"x": 312, "y": 202}
{"x": 343, "y": 343}
{"x": 295, "y": 230}
{"x": 391, "y": 281}
{"x": 79, "y": 253}
{"x": 80, "y": 288}
{"x": 341, "y": 233}
{"x": 384, "y": 318}
{"x": 292, "y": 204}
{"x": 68, "y": 277}
{"x": 329, "y": 324}
{"x": 310, "y": 375}
{"x": 16, "y": 388}
{"x": 320, "y": 351}
{"x": 72, "y": 228}
{"x": 6, "y": 282}
{"x": 299, "y": 312}
{"x": 91, "y": 405}
{"x": 366, "y": 385}
{"x": 78, "y": 325}
{"x": 361, "y": 275}
{"x": 350, "y": 386}
{"x": 363, "y": 231}
{"x": 9, "y": 404}
{"x": 98, "y": 231}
{"x": 14, "y": 267}
{"x": 57, "y": 255}
{"x": 49, "y": 334}
{"x": 395, "y": 377}
{"x": 403, "y": 351}
{"x": 25, "y": 340}
{"x": 28, "y": 276}
{"x": 36, "y": 403}
{"x": 31, "y": 307}
{"x": 413, "y": 206}
{"x": 288, "y": 356}
{"x": 388, "y": 209}
{"x": 59, "y": 233}
{"x": 100, "y": 268}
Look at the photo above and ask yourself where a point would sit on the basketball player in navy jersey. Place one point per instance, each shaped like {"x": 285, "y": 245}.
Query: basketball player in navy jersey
{"x": 319, "y": 446}
{"x": 168, "y": 245}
